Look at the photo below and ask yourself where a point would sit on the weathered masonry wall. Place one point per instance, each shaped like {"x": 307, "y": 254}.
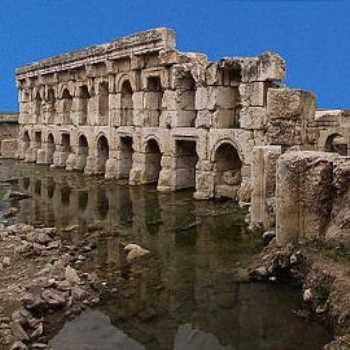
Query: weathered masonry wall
{"x": 9, "y": 131}
{"x": 138, "y": 110}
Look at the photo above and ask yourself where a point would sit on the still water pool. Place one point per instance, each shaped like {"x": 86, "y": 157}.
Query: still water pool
{"x": 190, "y": 293}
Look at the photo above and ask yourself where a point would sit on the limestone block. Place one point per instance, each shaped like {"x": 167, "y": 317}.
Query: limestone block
{"x": 271, "y": 67}
{"x": 212, "y": 75}
{"x": 151, "y": 118}
{"x": 184, "y": 119}
{"x": 204, "y": 119}
{"x": 253, "y": 94}
{"x": 9, "y": 148}
{"x": 167, "y": 119}
{"x": 204, "y": 165}
{"x": 252, "y": 118}
{"x": 70, "y": 162}
{"x": 165, "y": 180}
{"x": 201, "y": 99}
{"x": 169, "y": 100}
{"x": 224, "y": 119}
{"x": 151, "y": 100}
{"x": 221, "y": 97}
{"x": 286, "y": 132}
{"x": 263, "y": 178}
{"x": 137, "y": 100}
{"x": 290, "y": 104}
{"x": 304, "y": 194}
{"x": 114, "y": 102}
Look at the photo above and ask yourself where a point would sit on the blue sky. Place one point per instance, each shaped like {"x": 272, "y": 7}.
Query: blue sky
{"x": 312, "y": 36}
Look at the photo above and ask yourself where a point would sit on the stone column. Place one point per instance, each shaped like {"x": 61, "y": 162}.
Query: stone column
{"x": 205, "y": 182}
{"x": 304, "y": 194}
{"x": 264, "y": 185}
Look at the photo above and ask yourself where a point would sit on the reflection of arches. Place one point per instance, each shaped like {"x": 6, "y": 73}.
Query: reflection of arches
{"x": 67, "y": 106}
{"x": 227, "y": 170}
{"x": 102, "y": 204}
{"x": 83, "y": 198}
{"x": 65, "y": 195}
{"x": 153, "y": 101}
{"x": 51, "y": 147}
{"x": 126, "y": 157}
{"x": 84, "y": 104}
{"x": 102, "y": 153}
{"x": 127, "y": 108}
{"x": 37, "y": 187}
{"x": 337, "y": 143}
{"x": 186, "y": 160}
{"x": 186, "y": 102}
{"x": 153, "y": 159}
{"x": 26, "y": 183}
{"x": 103, "y": 99}
{"x": 51, "y": 185}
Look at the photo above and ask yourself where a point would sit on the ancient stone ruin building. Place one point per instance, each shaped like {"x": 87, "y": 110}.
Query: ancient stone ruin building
{"x": 138, "y": 110}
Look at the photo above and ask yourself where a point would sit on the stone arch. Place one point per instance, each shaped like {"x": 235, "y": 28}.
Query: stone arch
{"x": 126, "y": 104}
{"x": 102, "y": 153}
{"x": 51, "y": 99}
{"x": 227, "y": 170}
{"x": 336, "y": 143}
{"x": 103, "y": 102}
{"x": 186, "y": 115}
{"x": 153, "y": 101}
{"x": 51, "y": 147}
{"x": 122, "y": 79}
{"x": 84, "y": 96}
{"x": 67, "y": 106}
{"x": 66, "y": 142}
{"x": 126, "y": 152}
{"x": 153, "y": 158}
{"x": 83, "y": 151}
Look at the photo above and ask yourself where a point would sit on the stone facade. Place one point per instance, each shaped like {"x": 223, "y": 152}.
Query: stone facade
{"x": 137, "y": 109}
{"x": 8, "y": 135}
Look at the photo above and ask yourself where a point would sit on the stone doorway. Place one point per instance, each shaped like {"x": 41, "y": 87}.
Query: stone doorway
{"x": 185, "y": 164}
{"x": 126, "y": 153}
{"x": 153, "y": 157}
{"x": 227, "y": 169}
{"x": 102, "y": 154}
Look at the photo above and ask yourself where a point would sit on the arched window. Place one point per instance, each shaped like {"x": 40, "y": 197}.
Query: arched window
{"x": 126, "y": 104}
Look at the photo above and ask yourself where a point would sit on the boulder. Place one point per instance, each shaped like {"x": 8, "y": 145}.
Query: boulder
{"x": 134, "y": 251}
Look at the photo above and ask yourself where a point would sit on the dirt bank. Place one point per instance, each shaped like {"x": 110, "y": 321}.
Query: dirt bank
{"x": 323, "y": 272}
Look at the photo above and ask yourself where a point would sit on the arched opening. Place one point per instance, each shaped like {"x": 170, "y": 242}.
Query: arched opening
{"x": 186, "y": 160}
{"x": 83, "y": 151}
{"x": 103, "y": 103}
{"x": 66, "y": 143}
{"x": 153, "y": 159}
{"x": 186, "y": 116}
{"x": 102, "y": 154}
{"x": 26, "y": 140}
{"x": 52, "y": 106}
{"x": 227, "y": 171}
{"x": 37, "y": 111}
{"x": 67, "y": 106}
{"x": 126, "y": 157}
{"x": 337, "y": 143}
{"x": 153, "y": 102}
{"x": 84, "y": 104}
{"x": 127, "y": 109}
{"x": 51, "y": 147}
{"x": 38, "y": 139}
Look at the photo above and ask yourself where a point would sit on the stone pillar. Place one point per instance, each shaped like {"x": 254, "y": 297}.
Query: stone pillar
{"x": 205, "y": 180}
{"x": 41, "y": 155}
{"x": 264, "y": 185}
{"x": 111, "y": 168}
{"x": 30, "y": 154}
{"x": 165, "y": 181}
{"x": 60, "y": 157}
{"x": 303, "y": 195}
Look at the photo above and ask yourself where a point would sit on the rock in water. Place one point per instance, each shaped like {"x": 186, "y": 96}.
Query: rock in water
{"x": 134, "y": 251}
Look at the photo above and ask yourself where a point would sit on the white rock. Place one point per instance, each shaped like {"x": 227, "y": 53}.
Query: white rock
{"x": 134, "y": 251}
{"x": 72, "y": 275}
